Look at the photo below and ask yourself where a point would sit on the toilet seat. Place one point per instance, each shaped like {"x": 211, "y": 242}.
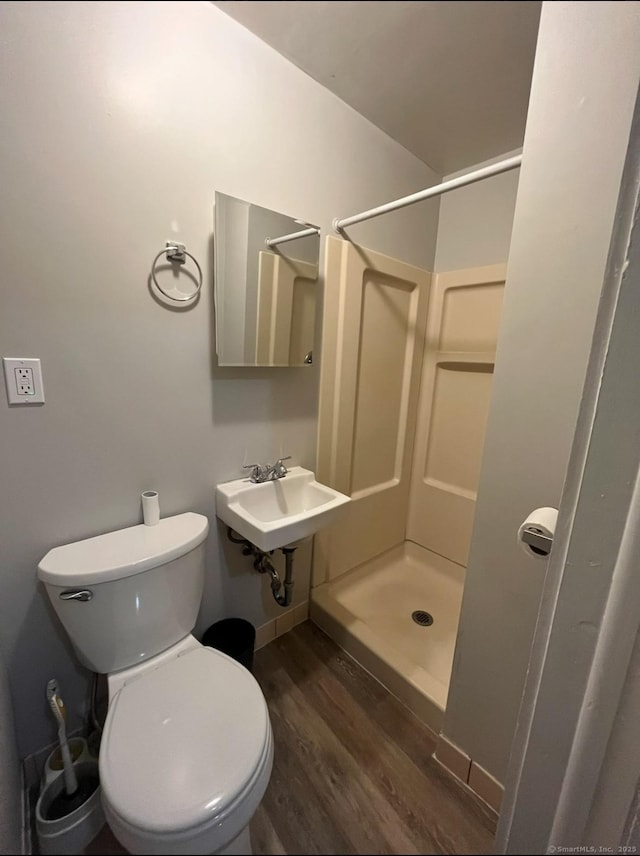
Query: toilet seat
{"x": 186, "y": 753}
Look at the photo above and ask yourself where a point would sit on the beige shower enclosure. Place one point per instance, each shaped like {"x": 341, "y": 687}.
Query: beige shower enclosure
{"x": 407, "y": 363}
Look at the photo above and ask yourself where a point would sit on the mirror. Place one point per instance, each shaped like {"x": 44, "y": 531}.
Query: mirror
{"x": 265, "y": 287}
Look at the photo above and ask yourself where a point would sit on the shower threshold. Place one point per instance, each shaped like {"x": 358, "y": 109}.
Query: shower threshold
{"x": 368, "y": 612}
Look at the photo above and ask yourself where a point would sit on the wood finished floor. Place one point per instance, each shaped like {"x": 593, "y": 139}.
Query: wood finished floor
{"x": 352, "y": 769}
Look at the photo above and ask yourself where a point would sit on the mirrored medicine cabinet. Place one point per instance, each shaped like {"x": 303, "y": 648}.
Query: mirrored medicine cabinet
{"x": 266, "y": 271}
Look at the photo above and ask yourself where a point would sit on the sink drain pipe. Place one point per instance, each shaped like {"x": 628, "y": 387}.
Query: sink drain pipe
{"x": 276, "y": 584}
{"x": 262, "y": 564}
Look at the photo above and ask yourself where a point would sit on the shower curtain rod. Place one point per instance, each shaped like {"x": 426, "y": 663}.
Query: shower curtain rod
{"x": 436, "y": 190}
{"x": 292, "y": 236}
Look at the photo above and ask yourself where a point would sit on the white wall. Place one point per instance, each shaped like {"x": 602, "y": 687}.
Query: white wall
{"x": 119, "y": 121}
{"x": 584, "y": 85}
{"x": 476, "y": 221}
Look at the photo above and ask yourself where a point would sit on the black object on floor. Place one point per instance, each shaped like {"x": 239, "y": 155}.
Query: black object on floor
{"x": 233, "y": 636}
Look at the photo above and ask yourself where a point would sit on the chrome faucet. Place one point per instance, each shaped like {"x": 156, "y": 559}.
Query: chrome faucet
{"x": 267, "y": 472}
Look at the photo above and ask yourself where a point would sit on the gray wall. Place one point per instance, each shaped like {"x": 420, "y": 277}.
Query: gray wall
{"x": 476, "y": 221}
{"x": 575, "y": 759}
{"x": 585, "y": 79}
{"x": 10, "y": 778}
{"x": 119, "y": 121}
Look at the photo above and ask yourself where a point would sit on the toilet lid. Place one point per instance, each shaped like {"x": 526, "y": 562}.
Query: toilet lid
{"x": 182, "y": 742}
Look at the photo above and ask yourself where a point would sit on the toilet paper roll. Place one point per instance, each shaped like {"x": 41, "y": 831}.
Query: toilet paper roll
{"x": 543, "y": 520}
{"x": 150, "y": 507}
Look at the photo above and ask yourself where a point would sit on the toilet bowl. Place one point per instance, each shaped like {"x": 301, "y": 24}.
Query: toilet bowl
{"x": 186, "y": 754}
{"x": 187, "y": 747}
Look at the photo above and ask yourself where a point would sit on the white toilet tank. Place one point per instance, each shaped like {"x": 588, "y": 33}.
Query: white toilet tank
{"x": 128, "y": 595}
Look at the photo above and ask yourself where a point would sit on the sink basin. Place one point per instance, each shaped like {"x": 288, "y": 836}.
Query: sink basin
{"x": 281, "y": 512}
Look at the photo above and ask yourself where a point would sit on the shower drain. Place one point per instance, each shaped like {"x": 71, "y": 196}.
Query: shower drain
{"x": 424, "y": 619}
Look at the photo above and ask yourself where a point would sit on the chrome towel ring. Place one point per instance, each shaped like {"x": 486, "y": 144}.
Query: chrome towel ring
{"x": 176, "y": 253}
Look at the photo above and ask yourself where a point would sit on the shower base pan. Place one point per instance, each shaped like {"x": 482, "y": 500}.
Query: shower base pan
{"x": 368, "y": 612}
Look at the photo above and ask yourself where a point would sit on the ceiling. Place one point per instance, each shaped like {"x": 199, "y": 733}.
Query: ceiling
{"x": 448, "y": 80}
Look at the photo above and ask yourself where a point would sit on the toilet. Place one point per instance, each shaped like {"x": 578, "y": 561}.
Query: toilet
{"x": 187, "y": 748}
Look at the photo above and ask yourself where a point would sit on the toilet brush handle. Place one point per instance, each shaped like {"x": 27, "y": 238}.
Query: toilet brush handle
{"x": 70, "y": 778}
{"x": 60, "y": 713}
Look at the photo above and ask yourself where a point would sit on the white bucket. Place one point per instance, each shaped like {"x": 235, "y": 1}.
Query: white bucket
{"x": 69, "y": 834}
{"x": 53, "y": 767}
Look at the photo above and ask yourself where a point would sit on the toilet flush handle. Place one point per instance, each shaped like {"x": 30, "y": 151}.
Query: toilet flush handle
{"x": 80, "y": 594}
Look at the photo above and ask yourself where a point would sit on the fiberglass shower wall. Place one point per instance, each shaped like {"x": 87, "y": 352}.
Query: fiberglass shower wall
{"x": 405, "y": 387}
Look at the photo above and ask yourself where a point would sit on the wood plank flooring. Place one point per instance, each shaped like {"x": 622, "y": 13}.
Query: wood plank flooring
{"x": 352, "y": 770}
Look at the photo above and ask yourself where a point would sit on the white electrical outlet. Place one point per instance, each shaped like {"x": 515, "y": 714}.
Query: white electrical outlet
{"x": 24, "y": 381}
{"x": 23, "y": 378}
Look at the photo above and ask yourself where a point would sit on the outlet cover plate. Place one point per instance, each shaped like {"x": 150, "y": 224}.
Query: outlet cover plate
{"x": 12, "y": 367}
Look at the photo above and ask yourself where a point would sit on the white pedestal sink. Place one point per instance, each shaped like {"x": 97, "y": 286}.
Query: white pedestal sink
{"x": 277, "y": 513}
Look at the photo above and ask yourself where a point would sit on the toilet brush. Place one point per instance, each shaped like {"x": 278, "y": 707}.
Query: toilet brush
{"x": 60, "y": 713}
{"x": 75, "y": 793}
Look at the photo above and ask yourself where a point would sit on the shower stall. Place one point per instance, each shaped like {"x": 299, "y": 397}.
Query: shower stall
{"x": 407, "y": 363}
